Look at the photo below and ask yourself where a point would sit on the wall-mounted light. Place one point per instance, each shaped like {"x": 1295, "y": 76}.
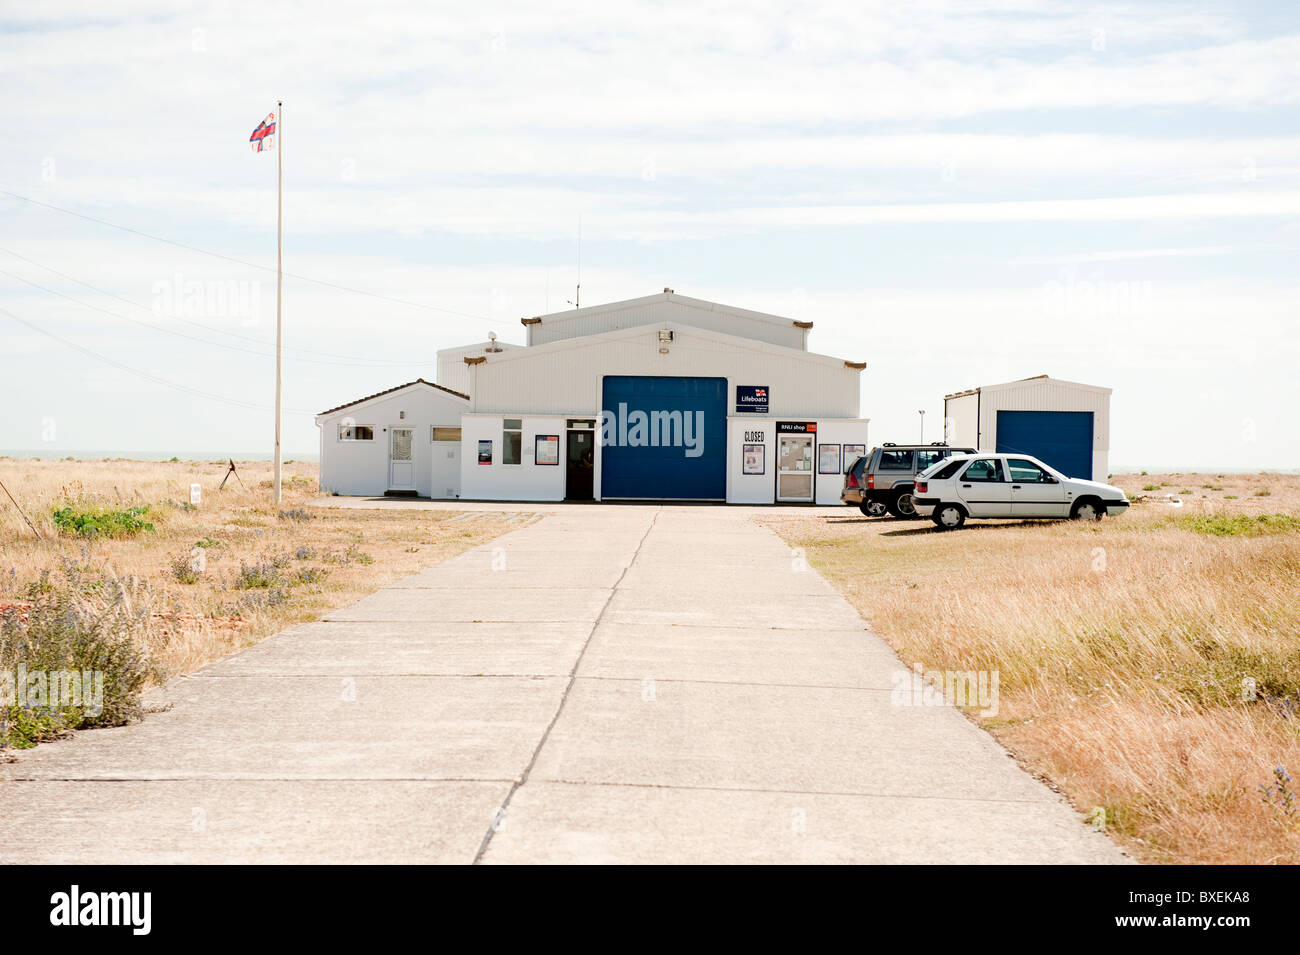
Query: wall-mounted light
{"x": 663, "y": 351}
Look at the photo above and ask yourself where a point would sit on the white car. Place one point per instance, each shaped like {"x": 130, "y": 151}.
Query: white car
{"x": 1008, "y": 486}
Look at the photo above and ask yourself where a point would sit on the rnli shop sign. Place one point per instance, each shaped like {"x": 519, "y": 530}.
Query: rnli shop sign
{"x": 796, "y": 427}
{"x": 751, "y": 399}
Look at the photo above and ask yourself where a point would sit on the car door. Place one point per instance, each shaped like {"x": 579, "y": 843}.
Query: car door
{"x": 983, "y": 489}
{"x": 1034, "y": 492}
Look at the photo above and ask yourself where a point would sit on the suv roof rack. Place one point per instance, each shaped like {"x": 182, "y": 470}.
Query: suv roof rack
{"x": 889, "y": 444}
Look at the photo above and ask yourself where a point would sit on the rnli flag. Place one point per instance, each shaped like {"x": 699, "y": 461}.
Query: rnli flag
{"x": 264, "y": 136}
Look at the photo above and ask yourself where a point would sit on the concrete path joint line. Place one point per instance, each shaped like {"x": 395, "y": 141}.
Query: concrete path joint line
{"x": 564, "y": 697}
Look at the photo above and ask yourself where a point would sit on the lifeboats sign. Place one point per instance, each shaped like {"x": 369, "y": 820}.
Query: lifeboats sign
{"x": 751, "y": 399}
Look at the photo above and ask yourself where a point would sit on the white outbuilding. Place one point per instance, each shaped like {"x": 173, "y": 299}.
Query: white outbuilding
{"x": 663, "y": 397}
{"x": 404, "y": 441}
{"x": 1064, "y": 423}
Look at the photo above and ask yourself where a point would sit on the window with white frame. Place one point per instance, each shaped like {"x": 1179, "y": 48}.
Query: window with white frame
{"x": 512, "y": 441}
{"x": 356, "y": 432}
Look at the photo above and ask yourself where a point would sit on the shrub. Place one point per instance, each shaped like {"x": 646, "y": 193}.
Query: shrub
{"x": 295, "y": 514}
{"x": 311, "y": 575}
{"x": 1151, "y": 487}
{"x": 100, "y": 521}
{"x": 1280, "y": 799}
{"x": 262, "y": 574}
{"x": 184, "y": 571}
{"x": 1239, "y": 525}
{"x": 260, "y": 600}
{"x": 1263, "y": 492}
{"x": 82, "y": 631}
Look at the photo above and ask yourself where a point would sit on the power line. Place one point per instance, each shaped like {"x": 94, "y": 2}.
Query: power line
{"x": 348, "y": 359}
{"x": 178, "y": 334}
{"x": 144, "y": 374}
{"x": 251, "y": 265}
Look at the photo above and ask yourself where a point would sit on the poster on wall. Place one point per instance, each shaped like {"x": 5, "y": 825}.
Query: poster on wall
{"x": 755, "y": 459}
{"x": 828, "y": 459}
{"x": 485, "y": 451}
{"x": 547, "y": 449}
{"x": 852, "y": 451}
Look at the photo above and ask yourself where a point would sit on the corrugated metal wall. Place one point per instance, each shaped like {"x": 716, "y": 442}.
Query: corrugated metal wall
{"x": 962, "y": 425}
{"x": 704, "y": 315}
{"x": 1044, "y": 395}
{"x": 568, "y": 380}
{"x": 453, "y": 373}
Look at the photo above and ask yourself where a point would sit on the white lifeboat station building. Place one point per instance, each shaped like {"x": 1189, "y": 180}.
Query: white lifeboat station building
{"x": 656, "y": 398}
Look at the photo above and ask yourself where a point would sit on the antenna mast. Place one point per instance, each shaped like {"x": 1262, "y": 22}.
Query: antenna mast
{"x": 577, "y": 292}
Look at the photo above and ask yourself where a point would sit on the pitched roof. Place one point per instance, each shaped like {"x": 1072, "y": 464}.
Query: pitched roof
{"x": 586, "y": 341}
{"x": 667, "y": 295}
{"x": 389, "y": 391}
{"x": 1021, "y": 381}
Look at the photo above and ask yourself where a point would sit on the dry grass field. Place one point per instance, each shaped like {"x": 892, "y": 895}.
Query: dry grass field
{"x": 1125, "y": 649}
{"x": 203, "y": 581}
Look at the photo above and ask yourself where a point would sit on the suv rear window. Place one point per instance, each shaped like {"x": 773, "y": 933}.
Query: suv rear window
{"x": 925, "y": 459}
{"x": 895, "y": 461}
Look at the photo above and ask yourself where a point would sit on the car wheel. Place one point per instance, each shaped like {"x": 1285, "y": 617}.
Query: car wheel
{"x": 948, "y": 517}
{"x": 1088, "y": 511}
{"x": 904, "y": 506}
{"x": 873, "y": 509}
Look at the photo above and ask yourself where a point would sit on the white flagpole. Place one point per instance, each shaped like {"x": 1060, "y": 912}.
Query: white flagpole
{"x": 279, "y": 279}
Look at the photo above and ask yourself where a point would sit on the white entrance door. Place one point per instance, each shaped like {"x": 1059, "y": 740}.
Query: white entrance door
{"x": 446, "y": 469}
{"x": 401, "y": 460}
{"x": 794, "y": 467}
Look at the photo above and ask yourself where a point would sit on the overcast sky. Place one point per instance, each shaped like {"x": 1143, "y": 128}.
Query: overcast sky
{"x": 955, "y": 193}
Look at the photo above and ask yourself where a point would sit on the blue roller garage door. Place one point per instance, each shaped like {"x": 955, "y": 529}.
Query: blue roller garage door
{"x": 1062, "y": 439}
{"x": 663, "y": 438}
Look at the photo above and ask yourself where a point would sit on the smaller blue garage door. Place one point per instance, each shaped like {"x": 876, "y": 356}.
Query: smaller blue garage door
{"x": 1062, "y": 439}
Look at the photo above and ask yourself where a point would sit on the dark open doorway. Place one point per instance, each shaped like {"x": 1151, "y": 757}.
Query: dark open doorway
{"x": 580, "y": 463}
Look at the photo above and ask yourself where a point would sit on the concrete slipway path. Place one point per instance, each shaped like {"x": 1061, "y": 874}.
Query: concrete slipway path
{"x": 606, "y": 684}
